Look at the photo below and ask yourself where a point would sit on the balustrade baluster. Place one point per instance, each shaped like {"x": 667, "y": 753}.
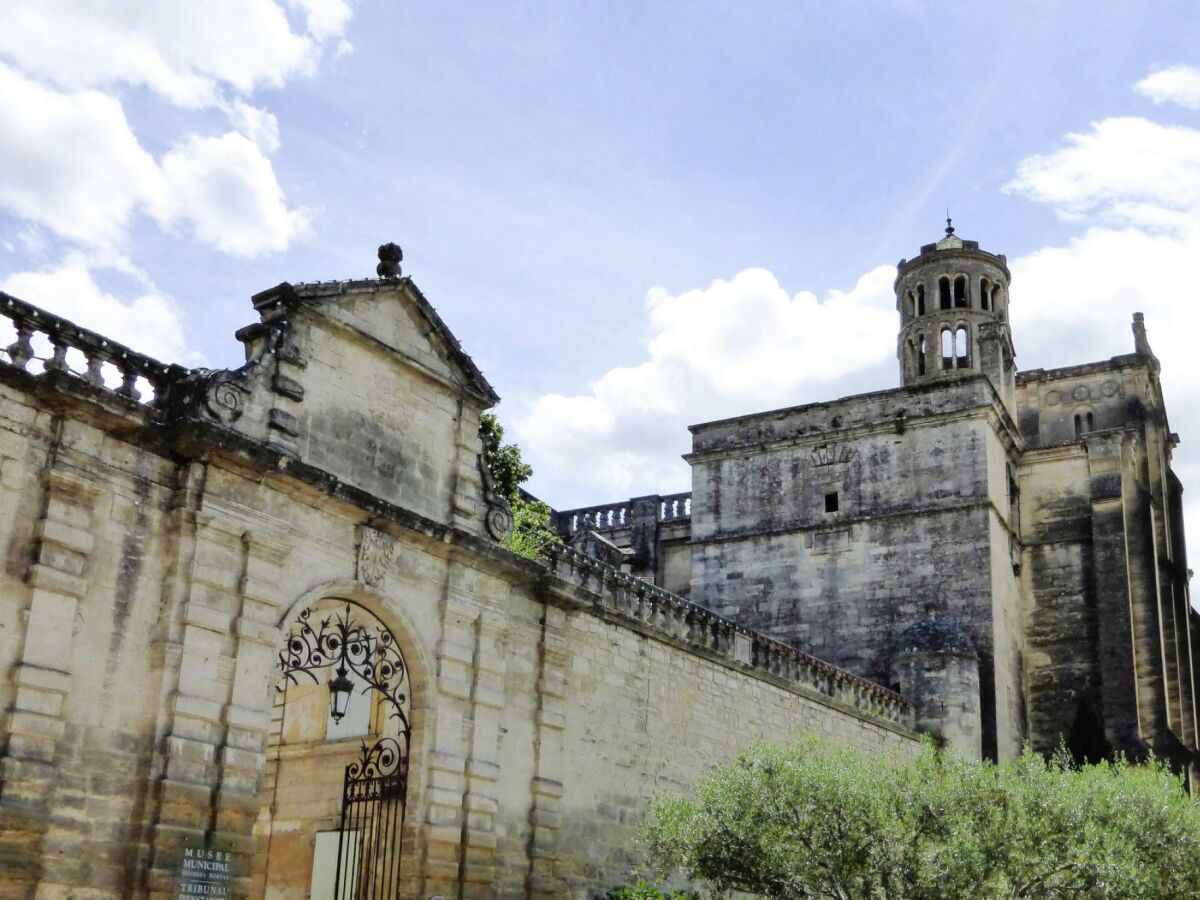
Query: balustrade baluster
{"x": 58, "y": 359}
{"x": 94, "y": 374}
{"x": 128, "y": 387}
{"x": 20, "y": 351}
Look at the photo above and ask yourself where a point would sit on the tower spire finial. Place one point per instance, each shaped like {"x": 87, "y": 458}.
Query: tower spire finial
{"x": 949, "y": 224}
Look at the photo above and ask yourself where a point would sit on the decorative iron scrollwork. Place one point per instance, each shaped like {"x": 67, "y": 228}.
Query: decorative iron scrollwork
{"x": 380, "y": 760}
{"x": 370, "y": 652}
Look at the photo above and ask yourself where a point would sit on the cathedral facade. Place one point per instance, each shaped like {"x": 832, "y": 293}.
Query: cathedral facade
{"x": 1028, "y": 522}
{"x": 259, "y": 637}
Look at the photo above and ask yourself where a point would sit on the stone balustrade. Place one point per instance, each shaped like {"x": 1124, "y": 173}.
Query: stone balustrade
{"x": 45, "y": 344}
{"x": 611, "y": 516}
{"x": 598, "y": 518}
{"x": 672, "y": 616}
{"x": 675, "y": 507}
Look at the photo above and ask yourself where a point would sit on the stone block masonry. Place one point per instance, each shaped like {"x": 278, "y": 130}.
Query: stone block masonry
{"x": 994, "y": 556}
{"x": 164, "y": 530}
{"x": 1036, "y": 512}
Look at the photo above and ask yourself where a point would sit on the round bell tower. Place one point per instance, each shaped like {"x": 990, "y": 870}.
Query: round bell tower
{"x": 953, "y": 304}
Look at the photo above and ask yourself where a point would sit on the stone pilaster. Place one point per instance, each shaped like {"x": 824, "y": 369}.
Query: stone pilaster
{"x": 1110, "y": 559}
{"x": 643, "y": 537}
{"x": 546, "y": 808}
{"x": 461, "y": 800}
{"x": 42, "y": 677}
{"x": 195, "y": 718}
{"x": 241, "y": 758}
{"x": 465, "y": 506}
{"x": 446, "y": 786}
{"x": 481, "y": 803}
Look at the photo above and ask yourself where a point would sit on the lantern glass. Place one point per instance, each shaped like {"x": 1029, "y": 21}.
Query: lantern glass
{"x": 339, "y": 695}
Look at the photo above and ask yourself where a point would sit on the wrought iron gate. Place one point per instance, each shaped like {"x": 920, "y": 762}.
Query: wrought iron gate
{"x": 355, "y": 642}
{"x": 373, "y": 794}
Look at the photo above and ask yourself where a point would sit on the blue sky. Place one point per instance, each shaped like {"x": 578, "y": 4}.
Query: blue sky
{"x": 635, "y": 216}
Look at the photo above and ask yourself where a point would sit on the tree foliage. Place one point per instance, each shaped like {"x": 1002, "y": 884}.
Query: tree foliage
{"x": 504, "y": 461}
{"x": 812, "y": 821}
{"x": 643, "y": 891}
{"x": 531, "y": 532}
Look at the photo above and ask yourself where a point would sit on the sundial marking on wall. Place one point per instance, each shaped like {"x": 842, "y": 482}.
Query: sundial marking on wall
{"x": 832, "y": 454}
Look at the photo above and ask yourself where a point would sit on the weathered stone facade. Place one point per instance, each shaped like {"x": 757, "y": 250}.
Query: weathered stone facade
{"x": 992, "y": 555}
{"x": 169, "y": 534}
{"x": 1034, "y": 511}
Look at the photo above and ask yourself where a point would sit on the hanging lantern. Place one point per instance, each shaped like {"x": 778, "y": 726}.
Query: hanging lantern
{"x": 339, "y": 694}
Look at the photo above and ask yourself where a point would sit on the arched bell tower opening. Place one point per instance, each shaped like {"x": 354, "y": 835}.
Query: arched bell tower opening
{"x": 968, "y": 320}
{"x": 332, "y": 826}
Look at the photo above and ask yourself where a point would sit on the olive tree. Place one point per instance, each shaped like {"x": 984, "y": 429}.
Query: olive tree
{"x": 819, "y": 822}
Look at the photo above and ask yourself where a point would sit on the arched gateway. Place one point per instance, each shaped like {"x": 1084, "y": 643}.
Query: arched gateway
{"x": 342, "y": 720}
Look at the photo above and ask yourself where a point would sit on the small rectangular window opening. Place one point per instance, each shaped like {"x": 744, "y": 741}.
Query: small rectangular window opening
{"x": 831, "y": 501}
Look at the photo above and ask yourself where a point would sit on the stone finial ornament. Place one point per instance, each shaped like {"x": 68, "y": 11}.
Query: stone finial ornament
{"x": 1141, "y": 344}
{"x": 389, "y": 260}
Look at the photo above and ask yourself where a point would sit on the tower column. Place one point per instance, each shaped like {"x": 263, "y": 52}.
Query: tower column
{"x": 953, "y": 305}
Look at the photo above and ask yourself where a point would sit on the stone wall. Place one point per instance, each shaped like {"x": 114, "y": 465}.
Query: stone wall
{"x": 918, "y": 479}
{"x": 159, "y": 551}
{"x": 1110, "y": 661}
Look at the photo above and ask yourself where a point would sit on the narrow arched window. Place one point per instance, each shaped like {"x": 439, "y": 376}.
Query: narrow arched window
{"x": 960, "y": 292}
{"x": 920, "y": 299}
{"x": 962, "y": 346}
{"x": 912, "y": 303}
{"x": 1085, "y": 422}
{"x": 984, "y": 294}
{"x": 921, "y": 355}
{"x": 947, "y": 348}
{"x": 944, "y": 292}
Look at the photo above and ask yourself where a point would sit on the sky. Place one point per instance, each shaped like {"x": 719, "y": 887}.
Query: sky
{"x": 635, "y": 216}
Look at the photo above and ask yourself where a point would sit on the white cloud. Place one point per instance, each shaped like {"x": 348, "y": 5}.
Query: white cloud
{"x": 150, "y": 323}
{"x": 188, "y": 52}
{"x": 225, "y": 190}
{"x": 734, "y": 347}
{"x": 325, "y": 19}
{"x": 1128, "y": 170}
{"x": 71, "y": 163}
{"x": 258, "y": 125}
{"x": 1177, "y": 84}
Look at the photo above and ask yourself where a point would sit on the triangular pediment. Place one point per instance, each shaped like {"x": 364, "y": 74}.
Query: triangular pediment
{"x": 393, "y": 315}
